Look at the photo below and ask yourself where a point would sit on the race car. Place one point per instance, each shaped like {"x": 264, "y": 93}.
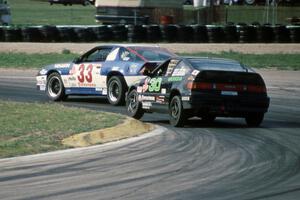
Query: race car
{"x": 201, "y": 87}
{"x": 104, "y": 70}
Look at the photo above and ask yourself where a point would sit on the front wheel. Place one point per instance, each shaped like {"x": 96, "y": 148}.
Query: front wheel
{"x": 116, "y": 87}
{"x": 254, "y": 120}
{"x": 55, "y": 88}
{"x": 134, "y": 107}
{"x": 176, "y": 112}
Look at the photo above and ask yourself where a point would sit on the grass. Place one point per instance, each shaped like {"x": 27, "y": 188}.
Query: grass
{"x": 37, "y": 61}
{"x": 26, "y": 61}
{"x": 28, "y": 128}
{"x": 279, "y": 61}
{"x": 29, "y": 12}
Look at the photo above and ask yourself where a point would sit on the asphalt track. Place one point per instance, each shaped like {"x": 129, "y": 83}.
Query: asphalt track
{"x": 224, "y": 160}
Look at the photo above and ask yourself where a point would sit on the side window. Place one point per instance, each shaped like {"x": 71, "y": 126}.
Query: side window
{"x": 126, "y": 55}
{"x": 99, "y": 55}
{"x": 181, "y": 69}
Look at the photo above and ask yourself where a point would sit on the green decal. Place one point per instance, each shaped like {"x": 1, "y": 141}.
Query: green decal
{"x": 155, "y": 84}
{"x": 175, "y": 79}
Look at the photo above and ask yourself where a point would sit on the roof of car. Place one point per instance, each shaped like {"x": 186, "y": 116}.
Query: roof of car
{"x": 212, "y": 59}
{"x": 129, "y": 45}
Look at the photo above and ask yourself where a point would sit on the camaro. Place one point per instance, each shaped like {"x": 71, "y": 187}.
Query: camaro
{"x": 104, "y": 70}
{"x": 202, "y": 87}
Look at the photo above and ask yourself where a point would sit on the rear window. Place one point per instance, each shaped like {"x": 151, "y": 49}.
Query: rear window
{"x": 220, "y": 65}
{"x": 153, "y": 53}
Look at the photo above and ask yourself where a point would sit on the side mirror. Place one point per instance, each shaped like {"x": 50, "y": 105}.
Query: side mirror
{"x": 77, "y": 60}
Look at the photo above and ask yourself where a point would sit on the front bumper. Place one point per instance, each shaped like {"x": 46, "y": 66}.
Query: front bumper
{"x": 41, "y": 82}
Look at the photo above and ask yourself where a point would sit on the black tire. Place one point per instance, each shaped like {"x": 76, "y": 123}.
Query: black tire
{"x": 254, "y": 120}
{"x": 176, "y": 112}
{"x": 55, "y": 88}
{"x": 208, "y": 118}
{"x": 116, "y": 88}
{"x": 134, "y": 107}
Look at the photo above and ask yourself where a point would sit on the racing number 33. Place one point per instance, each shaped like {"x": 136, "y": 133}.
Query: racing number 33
{"x": 88, "y": 77}
{"x": 155, "y": 85}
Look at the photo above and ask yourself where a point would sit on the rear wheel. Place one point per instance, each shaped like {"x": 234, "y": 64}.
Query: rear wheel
{"x": 116, "y": 87}
{"x": 55, "y": 88}
{"x": 254, "y": 120}
{"x": 134, "y": 107}
{"x": 176, "y": 112}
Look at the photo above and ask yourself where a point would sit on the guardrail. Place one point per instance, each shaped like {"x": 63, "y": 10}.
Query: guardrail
{"x": 154, "y": 33}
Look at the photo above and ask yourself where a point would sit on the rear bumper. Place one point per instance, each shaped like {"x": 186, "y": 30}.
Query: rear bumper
{"x": 234, "y": 106}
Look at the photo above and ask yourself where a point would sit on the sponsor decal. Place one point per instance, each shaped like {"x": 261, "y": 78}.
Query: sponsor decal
{"x": 87, "y": 85}
{"x": 146, "y": 105}
{"x": 98, "y": 89}
{"x": 175, "y": 78}
{"x": 179, "y": 72}
{"x": 160, "y": 99}
{"x": 145, "y": 86}
{"x": 61, "y": 65}
{"x": 185, "y": 98}
{"x": 139, "y": 89}
{"x": 148, "y": 98}
{"x": 133, "y": 68}
{"x": 195, "y": 72}
{"x": 72, "y": 71}
{"x": 72, "y": 78}
{"x": 163, "y": 90}
{"x": 104, "y": 91}
{"x": 155, "y": 85}
{"x": 115, "y": 68}
{"x": 43, "y": 71}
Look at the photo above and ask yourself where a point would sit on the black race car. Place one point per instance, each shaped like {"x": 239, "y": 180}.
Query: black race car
{"x": 202, "y": 87}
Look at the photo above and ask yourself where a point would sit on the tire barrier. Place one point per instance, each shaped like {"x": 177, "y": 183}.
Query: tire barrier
{"x": 215, "y": 34}
{"x": 229, "y": 33}
{"x": 137, "y": 33}
{"x": 31, "y": 34}
{"x": 154, "y": 33}
{"x": 247, "y": 34}
{"x": 265, "y": 34}
{"x": 185, "y": 34}
{"x": 13, "y": 34}
{"x": 295, "y": 34}
{"x": 169, "y": 33}
{"x": 200, "y": 34}
{"x": 2, "y": 36}
{"x": 119, "y": 33}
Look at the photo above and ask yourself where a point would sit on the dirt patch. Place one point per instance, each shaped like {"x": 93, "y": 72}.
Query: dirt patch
{"x": 174, "y": 47}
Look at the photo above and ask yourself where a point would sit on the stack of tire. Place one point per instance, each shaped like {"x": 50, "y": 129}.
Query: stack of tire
{"x": 281, "y": 34}
{"x": 185, "y": 34}
{"x": 200, "y": 34}
{"x": 31, "y": 34}
{"x": 119, "y": 33}
{"x": 12, "y": 34}
{"x": 103, "y": 33}
{"x": 295, "y": 34}
{"x": 50, "y": 34}
{"x": 137, "y": 33}
{"x": 169, "y": 33}
{"x": 2, "y": 36}
{"x": 231, "y": 34}
{"x": 247, "y": 34}
{"x": 85, "y": 34}
{"x": 67, "y": 34}
{"x": 215, "y": 34}
{"x": 265, "y": 34}
{"x": 154, "y": 33}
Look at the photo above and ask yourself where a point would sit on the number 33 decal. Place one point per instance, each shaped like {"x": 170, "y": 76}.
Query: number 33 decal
{"x": 88, "y": 77}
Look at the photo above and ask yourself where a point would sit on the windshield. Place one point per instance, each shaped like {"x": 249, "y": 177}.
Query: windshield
{"x": 153, "y": 53}
{"x": 220, "y": 65}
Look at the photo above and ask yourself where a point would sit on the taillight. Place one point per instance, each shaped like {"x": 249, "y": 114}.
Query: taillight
{"x": 256, "y": 89}
{"x": 199, "y": 85}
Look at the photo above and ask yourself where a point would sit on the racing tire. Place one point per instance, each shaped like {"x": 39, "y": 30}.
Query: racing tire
{"x": 55, "y": 88}
{"x": 116, "y": 88}
{"x": 133, "y": 106}
{"x": 208, "y": 118}
{"x": 177, "y": 115}
{"x": 254, "y": 120}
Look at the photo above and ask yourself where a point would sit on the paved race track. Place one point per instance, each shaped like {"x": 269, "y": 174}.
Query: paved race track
{"x": 225, "y": 160}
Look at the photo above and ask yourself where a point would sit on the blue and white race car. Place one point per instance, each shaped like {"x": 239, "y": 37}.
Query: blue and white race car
{"x": 102, "y": 71}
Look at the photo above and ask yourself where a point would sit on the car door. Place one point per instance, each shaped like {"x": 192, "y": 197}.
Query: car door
{"x": 85, "y": 73}
{"x": 159, "y": 86}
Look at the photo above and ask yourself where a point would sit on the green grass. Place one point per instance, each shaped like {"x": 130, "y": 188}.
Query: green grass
{"x": 29, "y": 12}
{"x": 37, "y": 61}
{"x": 23, "y": 60}
{"x": 279, "y": 61}
{"x": 28, "y": 128}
